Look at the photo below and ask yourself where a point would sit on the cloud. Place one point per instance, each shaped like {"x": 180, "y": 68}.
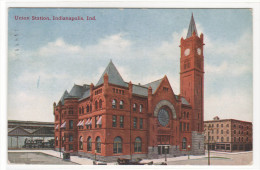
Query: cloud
{"x": 230, "y": 103}
{"x": 60, "y": 64}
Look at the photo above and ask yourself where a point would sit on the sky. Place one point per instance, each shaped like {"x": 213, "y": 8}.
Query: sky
{"x": 47, "y": 57}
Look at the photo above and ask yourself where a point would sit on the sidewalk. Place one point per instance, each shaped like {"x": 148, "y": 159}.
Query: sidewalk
{"x": 86, "y": 161}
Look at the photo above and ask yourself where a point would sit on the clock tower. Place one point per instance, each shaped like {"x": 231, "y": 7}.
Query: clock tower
{"x": 192, "y": 74}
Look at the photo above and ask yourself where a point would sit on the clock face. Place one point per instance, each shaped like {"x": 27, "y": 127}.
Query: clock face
{"x": 187, "y": 52}
{"x": 163, "y": 117}
{"x": 199, "y": 51}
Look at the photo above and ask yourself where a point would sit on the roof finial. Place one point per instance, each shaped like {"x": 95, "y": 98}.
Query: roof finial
{"x": 192, "y": 27}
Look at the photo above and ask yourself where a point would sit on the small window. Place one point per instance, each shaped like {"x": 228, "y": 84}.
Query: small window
{"x": 87, "y": 108}
{"x": 121, "y": 103}
{"x": 82, "y": 110}
{"x": 187, "y": 115}
{"x": 135, "y": 122}
{"x": 79, "y": 110}
{"x": 70, "y": 138}
{"x": 141, "y": 108}
{"x": 221, "y": 131}
{"x": 121, "y": 121}
{"x": 222, "y": 139}
{"x": 234, "y": 131}
{"x": 227, "y": 139}
{"x": 221, "y": 125}
{"x": 188, "y": 126}
{"x": 113, "y": 121}
{"x": 70, "y": 124}
{"x": 141, "y": 123}
{"x": 100, "y": 104}
{"x": 96, "y": 105}
{"x": 184, "y": 143}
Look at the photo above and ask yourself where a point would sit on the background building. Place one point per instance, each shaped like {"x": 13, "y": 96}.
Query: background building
{"x": 116, "y": 119}
{"x": 228, "y": 134}
{"x": 34, "y": 133}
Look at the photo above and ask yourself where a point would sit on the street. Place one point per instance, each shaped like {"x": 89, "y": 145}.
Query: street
{"x": 53, "y": 157}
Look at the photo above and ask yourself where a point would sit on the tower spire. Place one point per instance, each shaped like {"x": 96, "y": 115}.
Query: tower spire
{"x": 192, "y": 27}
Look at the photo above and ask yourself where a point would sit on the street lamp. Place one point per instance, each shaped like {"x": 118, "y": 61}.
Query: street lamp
{"x": 188, "y": 151}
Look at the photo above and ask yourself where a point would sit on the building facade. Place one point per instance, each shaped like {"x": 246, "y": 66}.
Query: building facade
{"x": 118, "y": 119}
{"x": 228, "y": 135}
{"x": 22, "y": 132}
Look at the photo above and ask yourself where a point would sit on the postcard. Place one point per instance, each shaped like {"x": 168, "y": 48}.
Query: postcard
{"x": 153, "y": 86}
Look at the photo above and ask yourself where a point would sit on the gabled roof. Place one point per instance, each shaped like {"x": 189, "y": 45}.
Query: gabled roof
{"x": 85, "y": 95}
{"x": 183, "y": 100}
{"x": 78, "y": 91}
{"x": 65, "y": 94}
{"x": 113, "y": 76}
{"x": 154, "y": 85}
{"x": 192, "y": 27}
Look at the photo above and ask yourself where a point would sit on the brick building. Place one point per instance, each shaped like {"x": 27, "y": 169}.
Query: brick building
{"x": 115, "y": 118}
{"x": 228, "y": 134}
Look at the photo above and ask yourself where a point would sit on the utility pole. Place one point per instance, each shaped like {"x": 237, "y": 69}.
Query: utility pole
{"x": 208, "y": 148}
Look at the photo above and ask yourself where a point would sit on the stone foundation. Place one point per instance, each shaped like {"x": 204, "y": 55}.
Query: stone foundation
{"x": 197, "y": 143}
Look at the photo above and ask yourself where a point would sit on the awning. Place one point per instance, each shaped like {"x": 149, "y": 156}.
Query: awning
{"x": 57, "y": 127}
{"x": 82, "y": 123}
{"x": 90, "y": 122}
{"x": 79, "y": 123}
{"x": 99, "y": 122}
{"x": 87, "y": 122}
{"x": 63, "y": 125}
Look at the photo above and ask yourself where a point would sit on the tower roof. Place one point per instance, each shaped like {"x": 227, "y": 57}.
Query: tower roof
{"x": 113, "y": 76}
{"x": 192, "y": 27}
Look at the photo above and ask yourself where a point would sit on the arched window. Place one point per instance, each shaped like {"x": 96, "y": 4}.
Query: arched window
{"x": 81, "y": 143}
{"x": 141, "y": 108}
{"x": 114, "y": 103}
{"x": 96, "y": 105}
{"x": 134, "y": 107}
{"x": 117, "y": 145}
{"x": 121, "y": 103}
{"x": 100, "y": 104}
{"x": 138, "y": 144}
{"x": 87, "y": 108}
{"x": 184, "y": 143}
{"x": 98, "y": 144}
{"x": 89, "y": 144}
{"x": 222, "y": 139}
